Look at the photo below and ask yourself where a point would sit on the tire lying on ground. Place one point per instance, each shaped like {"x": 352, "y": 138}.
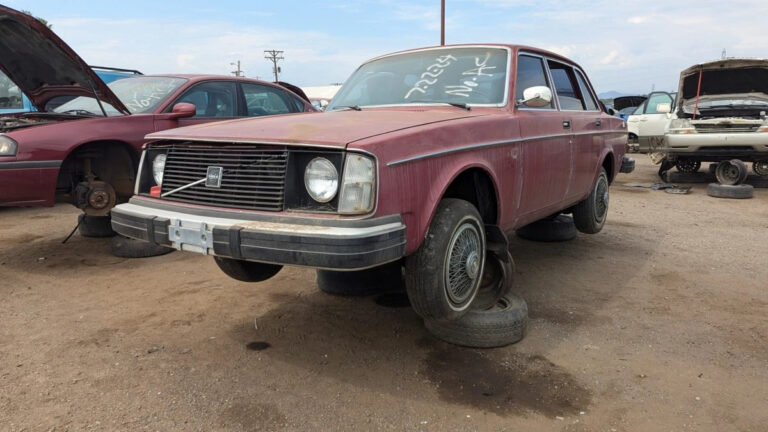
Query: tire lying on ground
{"x": 95, "y": 226}
{"x": 557, "y": 229}
{"x": 377, "y": 280}
{"x": 740, "y": 191}
{"x": 125, "y": 247}
{"x": 500, "y": 325}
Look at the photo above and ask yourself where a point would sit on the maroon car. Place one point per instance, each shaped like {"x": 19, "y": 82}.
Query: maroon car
{"x": 427, "y": 158}
{"x": 86, "y": 151}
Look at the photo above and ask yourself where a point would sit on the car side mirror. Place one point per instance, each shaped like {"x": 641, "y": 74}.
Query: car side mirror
{"x": 663, "y": 108}
{"x": 183, "y": 110}
{"x": 536, "y": 97}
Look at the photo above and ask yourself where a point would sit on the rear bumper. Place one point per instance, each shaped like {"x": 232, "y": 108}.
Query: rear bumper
{"x": 302, "y": 241}
{"x": 627, "y": 165}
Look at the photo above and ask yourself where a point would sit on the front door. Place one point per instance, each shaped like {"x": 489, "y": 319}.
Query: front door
{"x": 546, "y": 145}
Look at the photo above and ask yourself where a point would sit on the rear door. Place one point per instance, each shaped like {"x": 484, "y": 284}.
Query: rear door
{"x": 545, "y": 147}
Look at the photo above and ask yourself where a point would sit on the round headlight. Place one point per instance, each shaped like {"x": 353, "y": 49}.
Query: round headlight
{"x": 158, "y": 165}
{"x": 321, "y": 180}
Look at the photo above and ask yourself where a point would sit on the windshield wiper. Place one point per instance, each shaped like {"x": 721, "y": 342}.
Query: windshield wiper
{"x": 461, "y": 105}
{"x": 78, "y": 112}
{"x": 352, "y": 107}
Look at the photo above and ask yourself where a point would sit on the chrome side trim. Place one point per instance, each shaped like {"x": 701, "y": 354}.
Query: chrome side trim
{"x": 31, "y": 164}
{"x": 495, "y": 144}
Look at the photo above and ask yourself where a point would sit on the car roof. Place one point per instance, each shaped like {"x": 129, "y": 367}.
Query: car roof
{"x": 512, "y": 47}
{"x": 208, "y": 77}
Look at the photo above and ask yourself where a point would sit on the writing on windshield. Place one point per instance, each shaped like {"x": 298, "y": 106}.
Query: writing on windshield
{"x": 467, "y": 75}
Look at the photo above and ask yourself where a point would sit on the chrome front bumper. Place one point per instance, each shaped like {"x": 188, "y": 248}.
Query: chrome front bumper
{"x": 304, "y": 241}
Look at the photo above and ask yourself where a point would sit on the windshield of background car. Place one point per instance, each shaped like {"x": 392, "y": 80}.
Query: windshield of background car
{"x": 139, "y": 95}
{"x": 470, "y": 75}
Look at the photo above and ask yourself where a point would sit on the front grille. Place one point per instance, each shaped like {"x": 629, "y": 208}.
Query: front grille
{"x": 253, "y": 176}
{"x": 726, "y": 128}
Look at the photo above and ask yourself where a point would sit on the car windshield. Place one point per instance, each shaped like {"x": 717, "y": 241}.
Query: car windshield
{"x": 139, "y": 95}
{"x": 465, "y": 75}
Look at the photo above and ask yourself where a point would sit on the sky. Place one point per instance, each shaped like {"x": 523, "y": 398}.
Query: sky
{"x": 625, "y": 46}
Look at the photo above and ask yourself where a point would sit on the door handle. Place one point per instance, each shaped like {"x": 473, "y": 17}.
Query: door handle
{"x": 598, "y": 123}
{"x": 566, "y": 124}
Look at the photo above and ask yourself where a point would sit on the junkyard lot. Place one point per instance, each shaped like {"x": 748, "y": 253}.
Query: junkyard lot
{"x": 657, "y": 323}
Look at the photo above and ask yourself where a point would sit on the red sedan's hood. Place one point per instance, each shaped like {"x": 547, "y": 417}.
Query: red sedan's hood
{"x": 42, "y": 65}
{"x": 335, "y": 128}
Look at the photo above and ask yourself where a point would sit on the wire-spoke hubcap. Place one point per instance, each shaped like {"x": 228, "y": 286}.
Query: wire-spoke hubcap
{"x": 601, "y": 199}
{"x": 463, "y": 264}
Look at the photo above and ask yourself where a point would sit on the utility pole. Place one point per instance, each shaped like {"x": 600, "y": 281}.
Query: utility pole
{"x": 238, "y": 72}
{"x": 442, "y": 22}
{"x": 723, "y": 54}
{"x": 274, "y": 56}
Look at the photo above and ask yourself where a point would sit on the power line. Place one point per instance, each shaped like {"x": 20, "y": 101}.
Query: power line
{"x": 274, "y": 56}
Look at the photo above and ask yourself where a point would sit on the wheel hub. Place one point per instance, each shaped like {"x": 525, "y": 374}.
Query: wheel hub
{"x": 473, "y": 265}
{"x": 463, "y": 264}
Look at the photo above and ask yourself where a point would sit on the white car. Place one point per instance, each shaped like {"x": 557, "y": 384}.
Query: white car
{"x": 646, "y": 126}
{"x": 721, "y": 117}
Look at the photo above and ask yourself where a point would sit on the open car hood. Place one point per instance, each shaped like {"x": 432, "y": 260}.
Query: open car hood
{"x": 725, "y": 77}
{"x": 622, "y": 102}
{"x": 43, "y": 66}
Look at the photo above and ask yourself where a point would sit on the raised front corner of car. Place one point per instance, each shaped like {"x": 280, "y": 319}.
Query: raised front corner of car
{"x": 8, "y": 147}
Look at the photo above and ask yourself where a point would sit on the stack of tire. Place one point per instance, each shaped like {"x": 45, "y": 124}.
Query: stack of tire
{"x": 459, "y": 283}
{"x": 731, "y": 175}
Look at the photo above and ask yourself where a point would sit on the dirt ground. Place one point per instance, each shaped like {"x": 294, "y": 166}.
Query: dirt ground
{"x": 658, "y": 323}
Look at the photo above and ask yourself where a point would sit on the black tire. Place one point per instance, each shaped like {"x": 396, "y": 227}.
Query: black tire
{"x": 247, "y": 271}
{"x": 760, "y": 167}
{"x": 95, "y": 226}
{"x": 377, "y": 280}
{"x": 125, "y": 247}
{"x": 740, "y": 191}
{"x": 688, "y": 165}
{"x": 559, "y": 229}
{"x": 500, "y": 325}
{"x": 731, "y": 172}
{"x": 590, "y": 214}
{"x": 443, "y": 276}
{"x": 712, "y": 168}
{"x": 497, "y": 280}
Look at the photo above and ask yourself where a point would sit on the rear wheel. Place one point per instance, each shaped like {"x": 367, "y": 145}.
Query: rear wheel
{"x": 443, "y": 277}
{"x": 589, "y": 215}
{"x": 731, "y": 172}
{"x": 688, "y": 165}
{"x": 247, "y": 271}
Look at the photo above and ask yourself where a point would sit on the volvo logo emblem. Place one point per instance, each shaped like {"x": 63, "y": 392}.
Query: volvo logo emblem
{"x": 213, "y": 177}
